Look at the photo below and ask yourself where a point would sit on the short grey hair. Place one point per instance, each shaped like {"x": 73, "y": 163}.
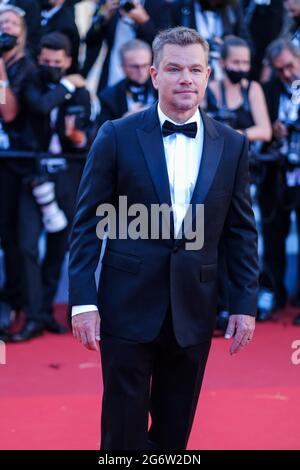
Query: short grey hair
{"x": 133, "y": 45}
{"x": 179, "y": 36}
{"x": 278, "y": 46}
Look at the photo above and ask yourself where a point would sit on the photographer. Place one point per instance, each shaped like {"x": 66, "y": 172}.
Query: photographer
{"x": 280, "y": 193}
{"x": 32, "y": 19}
{"x": 59, "y": 107}
{"x": 15, "y": 69}
{"x": 135, "y": 92}
{"x": 117, "y": 22}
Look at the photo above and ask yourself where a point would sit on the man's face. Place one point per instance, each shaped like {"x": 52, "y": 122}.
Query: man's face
{"x": 136, "y": 65}
{"x": 287, "y": 67}
{"x": 181, "y": 77}
{"x": 10, "y": 23}
{"x": 54, "y": 59}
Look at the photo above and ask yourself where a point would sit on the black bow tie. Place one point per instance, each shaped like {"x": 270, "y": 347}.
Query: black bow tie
{"x": 190, "y": 130}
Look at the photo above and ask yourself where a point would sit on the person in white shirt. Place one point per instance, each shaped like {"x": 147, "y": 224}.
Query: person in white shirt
{"x": 157, "y": 296}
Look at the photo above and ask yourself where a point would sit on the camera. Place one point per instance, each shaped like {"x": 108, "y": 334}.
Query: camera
{"x": 43, "y": 190}
{"x": 80, "y": 116}
{"x": 126, "y": 5}
{"x": 292, "y": 150}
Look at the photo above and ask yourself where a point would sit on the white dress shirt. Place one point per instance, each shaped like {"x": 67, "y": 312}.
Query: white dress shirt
{"x": 183, "y": 156}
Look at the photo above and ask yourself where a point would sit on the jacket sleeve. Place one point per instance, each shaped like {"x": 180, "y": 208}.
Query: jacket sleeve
{"x": 97, "y": 187}
{"x": 240, "y": 238}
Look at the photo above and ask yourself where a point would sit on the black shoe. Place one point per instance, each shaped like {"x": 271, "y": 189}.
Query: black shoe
{"x": 50, "y": 324}
{"x": 31, "y": 329}
{"x": 295, "y": 301}
{"x": 297, "y": 320}
{"x": 4, "y": 336}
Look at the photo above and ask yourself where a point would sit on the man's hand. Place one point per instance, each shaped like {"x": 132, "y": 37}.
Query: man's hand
{"x": 110, "y": 8}
{"x": 86, "y": 328}
{"x": 76, "y": 79}
{"x": 241, "y": 328}
{"x": 137, "y": 14}
{"x": 279, "y": 130}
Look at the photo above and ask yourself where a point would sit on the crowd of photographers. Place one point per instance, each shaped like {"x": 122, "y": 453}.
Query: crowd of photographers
{"x": 48, "y": 119}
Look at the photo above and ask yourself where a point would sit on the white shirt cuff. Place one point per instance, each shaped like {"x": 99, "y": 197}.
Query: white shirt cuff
{"x": 77, "y": 309}
{"x": 68, "y": 85}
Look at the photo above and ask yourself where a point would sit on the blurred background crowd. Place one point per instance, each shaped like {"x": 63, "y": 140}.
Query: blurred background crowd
{"x": 67, "y": 66}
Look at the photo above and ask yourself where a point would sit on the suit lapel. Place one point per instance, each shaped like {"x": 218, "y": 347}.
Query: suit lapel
{"x": 151, "y": 142}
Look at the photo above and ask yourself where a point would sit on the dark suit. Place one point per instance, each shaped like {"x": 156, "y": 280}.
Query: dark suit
{"x": 155, "y": 292}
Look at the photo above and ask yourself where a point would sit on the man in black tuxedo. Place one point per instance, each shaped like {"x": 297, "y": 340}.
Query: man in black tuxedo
{"x": 135, "y": 92}
{"x": 157, "y": 295}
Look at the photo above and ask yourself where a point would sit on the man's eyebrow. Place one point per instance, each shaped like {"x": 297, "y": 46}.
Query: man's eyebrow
{"x": 173, "y": 64}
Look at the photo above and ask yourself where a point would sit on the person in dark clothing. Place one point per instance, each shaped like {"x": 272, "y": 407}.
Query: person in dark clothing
{"x": 57, "y": 16}
{"x": 32, "y": 18}
{"x": 280, "y": 191}
{"x": 135, "y": 92}
{"x": 62, "y": 122}
{"x": 15, "y": 68}
{"x": 241, "y": 103}
{"x": 116, "y": 26}
{"x": 264, "y": 20}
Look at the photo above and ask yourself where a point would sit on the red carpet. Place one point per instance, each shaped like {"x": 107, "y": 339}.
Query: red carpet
{"x": 50, "y": 394}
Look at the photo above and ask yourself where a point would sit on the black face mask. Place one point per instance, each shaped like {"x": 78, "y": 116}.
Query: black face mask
{"x": 46, "y": 5}
{"x": 7, "y": 42}
{"x": 235, "y": 76}
{"x": 51, "y": 74}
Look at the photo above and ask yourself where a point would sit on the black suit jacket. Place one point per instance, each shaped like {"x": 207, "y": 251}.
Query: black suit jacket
{"x": 160, "y": 19}
{"x": 140, "y": 277}
{"x": 272, "y": 90}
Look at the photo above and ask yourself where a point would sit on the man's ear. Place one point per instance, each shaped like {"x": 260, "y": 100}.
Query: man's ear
{"x": 68, "y": 62}
{"x": 154, "y": 73}
{"x": 208, "y": 73}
